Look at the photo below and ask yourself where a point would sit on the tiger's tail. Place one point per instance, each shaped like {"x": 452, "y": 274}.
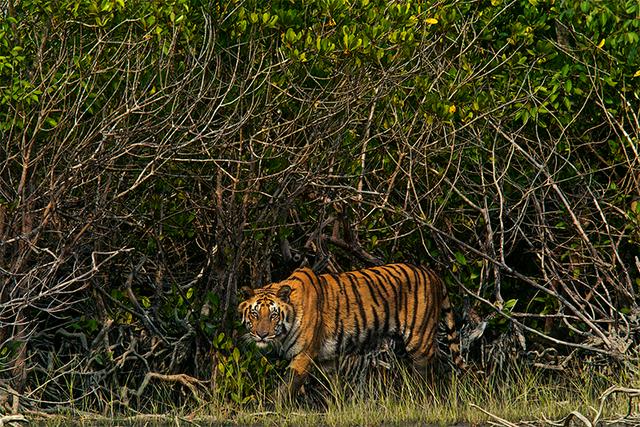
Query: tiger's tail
{"x": 453, "y": 340}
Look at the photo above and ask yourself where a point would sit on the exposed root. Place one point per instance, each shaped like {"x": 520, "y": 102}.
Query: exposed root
{"x": 185, "y": 380}
{"x": 630, "y": 392}
{"x": 11, "y": 419}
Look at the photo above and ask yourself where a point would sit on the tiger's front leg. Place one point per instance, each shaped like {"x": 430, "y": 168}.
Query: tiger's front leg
{"x": 299, "y": 368}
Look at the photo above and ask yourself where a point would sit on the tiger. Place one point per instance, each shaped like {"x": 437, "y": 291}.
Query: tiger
{"x": 314, "y": 319}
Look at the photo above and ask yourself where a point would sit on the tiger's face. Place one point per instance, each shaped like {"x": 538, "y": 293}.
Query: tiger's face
{"x": 266, "y": 313}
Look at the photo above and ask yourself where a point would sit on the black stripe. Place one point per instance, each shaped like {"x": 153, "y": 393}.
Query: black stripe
{"x": 370, "y": 286}
{"x": 428, "y": 308}
{"x": 397, "y": 295}
{"x": 294, "y": 339}
{"x": 367, "y": 338}
{"x": 381, "y": 285}
{"x": 411, "y": 326}
{"x": 297, "y": 279}
{"x": 376, "y": 328}
{"x": 356, "y": 293}
{"x": 414, "y": 315}
{"x": 293, "y": 316}
{"x": 375, "y": 285}
{"x": 309, "y": 276}
{"x": 427, "y": 340}
{"x": 355, "y": 334}
{"x": 343, "y": 293}
{"x": 317, "y": 287}
{"x": 325, "y": 291}
{"x": 410, "y": 283}
{"x": 338, "y": 299}
{"x": 385, "y": 306}
{"x": 382, "y": 281}
{"x": 402, "y": 269}
{"x": 428, "y": 328}
{"x": 363, "y": 312}
{"x": 431, "y": 336}
{"x": 404, "y": 303}
{"x": 314, "y": 283}
{"x": 351, "y": 300}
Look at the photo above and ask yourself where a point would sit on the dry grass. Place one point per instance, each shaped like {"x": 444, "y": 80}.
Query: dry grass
{"x": 520, "y": 396}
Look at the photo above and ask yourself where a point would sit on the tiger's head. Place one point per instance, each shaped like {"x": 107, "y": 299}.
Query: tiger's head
{"x": 267, "y": 313}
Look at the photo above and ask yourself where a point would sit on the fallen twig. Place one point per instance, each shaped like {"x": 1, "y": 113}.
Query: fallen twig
{"x": 501, "y": 421}
{"x": 186, "y": 380}
{"x": 631, "y": 392}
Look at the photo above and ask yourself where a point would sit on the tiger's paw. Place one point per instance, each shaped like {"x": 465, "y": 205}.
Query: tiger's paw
{"x": 286, "y": 396}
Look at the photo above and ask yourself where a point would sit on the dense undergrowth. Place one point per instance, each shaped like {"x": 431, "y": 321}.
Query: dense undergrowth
{"x": 155, "y": 156}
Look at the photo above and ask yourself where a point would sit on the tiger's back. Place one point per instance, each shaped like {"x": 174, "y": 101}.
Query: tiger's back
{"x": 321, "y": 317}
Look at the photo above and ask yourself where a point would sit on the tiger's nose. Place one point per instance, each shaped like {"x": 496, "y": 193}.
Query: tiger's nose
{"x": 262, "y": 334}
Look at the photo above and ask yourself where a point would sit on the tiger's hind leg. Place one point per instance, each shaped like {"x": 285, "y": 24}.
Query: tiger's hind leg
{"x": 421, "y": 350}
{"x": 420, "y": 346}
{"x": 422, "y": 363}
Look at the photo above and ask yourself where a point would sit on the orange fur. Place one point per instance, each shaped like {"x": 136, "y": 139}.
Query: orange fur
{"x": 315, "y": 318}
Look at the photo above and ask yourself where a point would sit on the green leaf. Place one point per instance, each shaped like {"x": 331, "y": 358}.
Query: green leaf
{"x": 51, "y": 122}
{"x": 508, "y": 305}
{"x": 460, "y": 258}
{"x": 290, "y": 35}
{"x": 568, "y": 86}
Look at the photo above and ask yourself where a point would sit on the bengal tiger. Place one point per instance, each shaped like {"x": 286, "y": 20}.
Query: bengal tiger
{"x": 313, "y": 318}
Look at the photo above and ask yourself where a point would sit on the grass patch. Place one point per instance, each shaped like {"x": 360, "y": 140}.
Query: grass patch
{"x": 522, "y": 394}
{"x": 400, "y": 396}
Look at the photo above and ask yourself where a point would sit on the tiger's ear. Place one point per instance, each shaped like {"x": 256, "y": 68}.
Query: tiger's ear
{"x": 284, "y": 292}
{"x": 241, "y": 307}
{"x": 246, "y": 292}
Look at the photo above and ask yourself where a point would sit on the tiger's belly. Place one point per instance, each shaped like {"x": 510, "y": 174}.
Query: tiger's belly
{"x": 351, "y": 343}
{"x": 328, "y": 350}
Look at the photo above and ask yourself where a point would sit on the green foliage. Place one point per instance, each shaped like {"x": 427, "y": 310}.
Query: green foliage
{"x": 242, "y": 376}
